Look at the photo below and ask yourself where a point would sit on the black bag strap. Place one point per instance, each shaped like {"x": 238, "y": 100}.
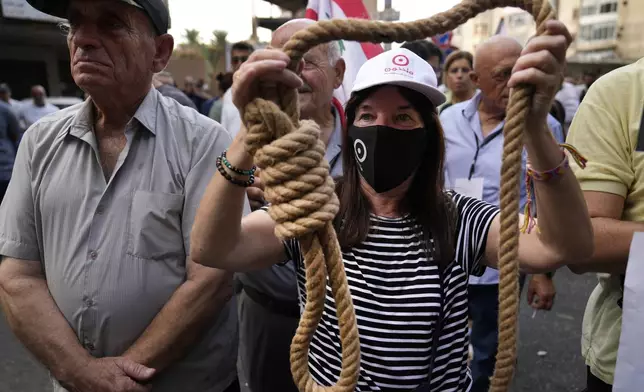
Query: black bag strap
{"x": 453, "y": 219}
{"x": 436, "y": 335}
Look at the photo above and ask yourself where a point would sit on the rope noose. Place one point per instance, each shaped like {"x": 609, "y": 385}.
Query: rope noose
{"x": 303, "y": 201}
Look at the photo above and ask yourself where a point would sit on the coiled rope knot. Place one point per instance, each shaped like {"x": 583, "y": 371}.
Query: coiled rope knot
{"x": 303, "y": 202}
{"x": 293, "y": 170}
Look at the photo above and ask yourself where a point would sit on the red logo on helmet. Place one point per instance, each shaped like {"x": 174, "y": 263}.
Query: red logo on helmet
{"x": 400, "y": 60}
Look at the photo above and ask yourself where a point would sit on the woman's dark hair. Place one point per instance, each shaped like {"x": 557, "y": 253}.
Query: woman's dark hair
{"x": 242, "y": 45}
{"x": 426, "y": 199}
{"x": 424, "y": 49}
{"x": 225, "y": 81}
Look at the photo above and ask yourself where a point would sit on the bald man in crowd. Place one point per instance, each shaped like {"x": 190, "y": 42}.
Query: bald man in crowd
{"x": 269, "y": 310}
{"x": 36, "y": 109}
{"x": 474, "y": 142}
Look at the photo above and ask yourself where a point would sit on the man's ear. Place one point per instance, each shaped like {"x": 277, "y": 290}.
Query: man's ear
{"x": 340, "y": 67}
{"x": 474, "y": 77}
{"x": 164, "y": 47}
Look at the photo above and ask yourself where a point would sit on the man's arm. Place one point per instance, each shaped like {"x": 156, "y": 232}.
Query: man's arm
{"x": 184, "y": 318}
{"x": 36, "y": 320}
{"x": 601, "y": 133}
{"x": 613, "y": 236}
{"x": 13, "y": 128}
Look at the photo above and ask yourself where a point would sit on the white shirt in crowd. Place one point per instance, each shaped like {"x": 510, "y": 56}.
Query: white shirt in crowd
{"x": 230, "y": 118}
{"x": 569, "y": 98}
{"x": 31, "y": 113}
{"x": 15, "y": 106}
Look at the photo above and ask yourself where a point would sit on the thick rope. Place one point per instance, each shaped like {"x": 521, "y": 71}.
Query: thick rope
{"x": 303, "y": 202}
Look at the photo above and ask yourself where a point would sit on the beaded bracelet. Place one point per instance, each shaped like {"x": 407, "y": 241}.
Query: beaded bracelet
{"x": 545, "y": 176}
{"x": 235, "y": 169}
{"x": 227, "y": 176}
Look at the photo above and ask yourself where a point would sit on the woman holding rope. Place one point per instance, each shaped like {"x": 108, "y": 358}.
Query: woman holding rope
{"x": 408, "y": 246}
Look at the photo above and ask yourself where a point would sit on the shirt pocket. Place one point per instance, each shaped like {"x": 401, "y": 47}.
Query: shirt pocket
{"x": 155, "y": 226}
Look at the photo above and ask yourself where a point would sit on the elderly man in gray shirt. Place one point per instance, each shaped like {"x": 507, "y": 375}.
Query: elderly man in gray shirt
{"x": 96, "y": 279}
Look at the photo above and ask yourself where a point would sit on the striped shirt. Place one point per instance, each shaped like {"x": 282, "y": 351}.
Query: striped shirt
{"x": 395, "y": 286}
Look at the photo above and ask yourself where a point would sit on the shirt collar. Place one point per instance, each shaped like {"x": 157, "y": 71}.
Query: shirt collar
{"x": 145, "y": 115}
{"x": 472, "y": 106}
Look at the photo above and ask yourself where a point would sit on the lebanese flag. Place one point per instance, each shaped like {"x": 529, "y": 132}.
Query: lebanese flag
{"x": 353, "y": 53}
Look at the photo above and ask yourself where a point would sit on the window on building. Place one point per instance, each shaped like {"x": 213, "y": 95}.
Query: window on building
{"x": 588, "y": 10}
{"x": 518, "y": 20}
{"x": 481, "y": 29}
{"x": 608, "y": 8}
{"x": 598, "y": 32}
{"x": 585, "y": 33}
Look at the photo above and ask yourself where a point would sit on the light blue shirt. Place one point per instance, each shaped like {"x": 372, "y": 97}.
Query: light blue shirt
{"x": 463, "y": 138}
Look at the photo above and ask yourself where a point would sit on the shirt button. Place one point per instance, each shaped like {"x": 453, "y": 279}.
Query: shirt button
{"x": 100, "y": 210}
{"x": 93, "y": 255}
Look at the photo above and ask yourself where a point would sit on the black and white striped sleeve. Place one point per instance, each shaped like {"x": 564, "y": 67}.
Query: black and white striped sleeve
{"x": 474, "y": 220}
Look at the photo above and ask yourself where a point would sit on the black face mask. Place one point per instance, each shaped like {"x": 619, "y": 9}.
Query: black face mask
{"x": 387, "y": 156}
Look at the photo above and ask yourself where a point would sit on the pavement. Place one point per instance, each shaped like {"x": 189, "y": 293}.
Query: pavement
{"x": 557, "y": 333}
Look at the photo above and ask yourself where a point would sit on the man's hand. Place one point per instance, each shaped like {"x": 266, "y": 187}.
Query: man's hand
{"x": 116, "y": 374}
{"x": 541, "y": 292}
{"x": 255, "y": 193}
{"x": 265, "y": 67}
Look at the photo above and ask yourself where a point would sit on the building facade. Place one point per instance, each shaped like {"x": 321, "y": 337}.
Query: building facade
{"x": 607, "y": 33}
{"x": 610, "y": 31}
{"x": 33, "y": 50}
{"x": 512, "y": 22}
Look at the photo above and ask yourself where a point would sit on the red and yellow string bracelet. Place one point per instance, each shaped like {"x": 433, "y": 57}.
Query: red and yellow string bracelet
{"x": 532, "y": 175}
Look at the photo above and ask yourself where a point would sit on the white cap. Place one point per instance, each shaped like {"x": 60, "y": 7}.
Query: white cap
{"x": 400, "y": 67}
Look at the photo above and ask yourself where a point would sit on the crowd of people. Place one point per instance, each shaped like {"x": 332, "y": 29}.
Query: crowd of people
{"x": 138, "y": 254}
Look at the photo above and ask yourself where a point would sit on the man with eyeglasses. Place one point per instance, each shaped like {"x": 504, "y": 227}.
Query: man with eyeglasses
{"x": 230, "y": 118}
{"x": 474, "y": 147}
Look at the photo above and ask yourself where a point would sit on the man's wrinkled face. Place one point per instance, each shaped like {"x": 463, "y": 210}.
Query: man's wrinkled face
{"x": 492, "y": 74}
{"x": 319, "y": 80}
{"x": 319, "y": 76}
{"x": 111, "y": 44}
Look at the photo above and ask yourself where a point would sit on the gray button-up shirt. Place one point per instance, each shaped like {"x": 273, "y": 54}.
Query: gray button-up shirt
{"x": 114, "y": 252}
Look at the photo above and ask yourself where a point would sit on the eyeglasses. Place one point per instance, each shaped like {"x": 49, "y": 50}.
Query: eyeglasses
{"x": 238, "y": 59}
